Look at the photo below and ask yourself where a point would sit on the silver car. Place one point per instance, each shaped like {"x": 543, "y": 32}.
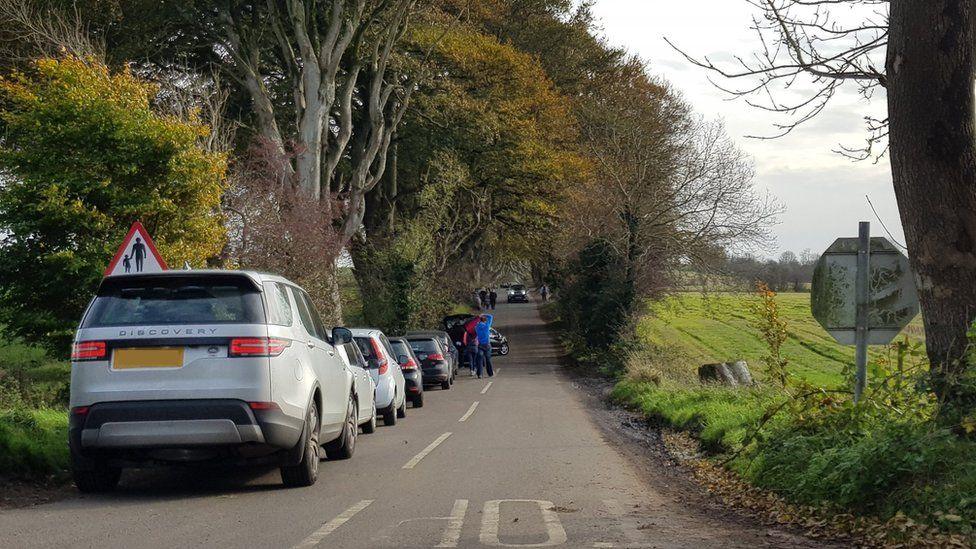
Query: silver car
{"x": 205, "y": 366}
{"x": 364, "y": 385}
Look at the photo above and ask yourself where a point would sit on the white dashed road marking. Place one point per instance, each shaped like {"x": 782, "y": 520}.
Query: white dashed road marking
{"x": 423, "y": 453}
{"x": 488, "y": 386}
{"x": 555, "y": 533}
{"x": 455, "y": 522}
{"x": 332, "y": 525}
{"x": 469, "y": 412}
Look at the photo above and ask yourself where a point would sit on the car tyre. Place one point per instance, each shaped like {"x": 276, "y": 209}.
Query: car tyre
{"x": 345, "y": 446}
{"x": 402, "y": 410}
{"x": 390, "y": 414}
{"x": 97, "y": 480}
{"x": 418, "y": 401}
{"x": 370, "y": 427}
{"x": 306, "y": 472}
{"x": 503, "y": 350}
{"x": 446, "y": 384}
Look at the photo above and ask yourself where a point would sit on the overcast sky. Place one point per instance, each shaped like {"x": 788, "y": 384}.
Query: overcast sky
{"x": 823, "y": 192}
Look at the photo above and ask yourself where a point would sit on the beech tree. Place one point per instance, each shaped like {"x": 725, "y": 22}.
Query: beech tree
{"x": 920, "y": 55}
{"x": 318, "y": 76}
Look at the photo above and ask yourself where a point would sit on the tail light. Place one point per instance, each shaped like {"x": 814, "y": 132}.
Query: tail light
{"x": 258, "y": 346}
{"x": 435, "y": 356}
{"x": 80, "y": 410}
{"x": 381, "y": 362}
{"x": 409, "y": 365}
{"x": 88, "y": 350}
{"x": 264, "y": 406}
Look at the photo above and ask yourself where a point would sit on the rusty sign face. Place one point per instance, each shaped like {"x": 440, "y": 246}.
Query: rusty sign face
{"x": 893, "y": 302}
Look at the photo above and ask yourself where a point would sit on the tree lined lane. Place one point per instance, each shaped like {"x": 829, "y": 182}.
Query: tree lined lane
{"x": 528, "y": 465}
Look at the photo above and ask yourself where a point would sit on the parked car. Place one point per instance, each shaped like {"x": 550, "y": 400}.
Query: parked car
{"x": 518, "y": 293}
{"x": 206, "y": 366}
{"x": 434, "y": 360}
{"x": 391, "y": 392}
{"x": 499, "y": 343}
{"x": 452, "y": 353}
{"x": 412, "y": 372}
{"x": 364, "y": 385}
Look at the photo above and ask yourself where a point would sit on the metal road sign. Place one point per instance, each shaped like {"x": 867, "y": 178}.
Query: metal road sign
{"x": 863, "y": 294}
{"x": 892, "y": 300}
{"x": 137, "y": 254}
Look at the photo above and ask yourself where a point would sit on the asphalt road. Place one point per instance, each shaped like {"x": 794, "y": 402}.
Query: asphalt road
{"x": 518, "y": 460}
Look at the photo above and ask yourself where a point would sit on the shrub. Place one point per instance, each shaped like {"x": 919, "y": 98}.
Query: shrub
{"x": 82, "y": 156}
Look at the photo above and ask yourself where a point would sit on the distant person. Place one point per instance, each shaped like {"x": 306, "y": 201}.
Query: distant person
{"x": 127, "y": 263}
{"x": 483, "y": 294}
{"x": 477, "y": 299}
{"x": 492, "y": 298}
{"x": 544, "y": 292}
{"x": 470, "y": 342}
{"x": 483, "y": 331}
{"x": 139, "y": 253}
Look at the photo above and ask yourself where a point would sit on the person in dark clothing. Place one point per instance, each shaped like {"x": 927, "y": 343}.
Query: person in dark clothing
{"x": 492, "y": 298}
{"x": 483, "y": 294}
{"x": 471, "y": 350}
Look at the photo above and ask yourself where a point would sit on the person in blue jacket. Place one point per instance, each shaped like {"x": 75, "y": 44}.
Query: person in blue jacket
{"x": 483, "y": 330}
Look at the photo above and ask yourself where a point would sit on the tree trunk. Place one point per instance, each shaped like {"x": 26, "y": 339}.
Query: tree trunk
{"x": 930, "y": 70}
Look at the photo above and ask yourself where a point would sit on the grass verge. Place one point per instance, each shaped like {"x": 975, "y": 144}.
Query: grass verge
{"x": 34, "y": 443}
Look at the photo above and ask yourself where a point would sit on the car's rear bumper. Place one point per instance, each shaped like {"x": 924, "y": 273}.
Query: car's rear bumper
{"x": 180, "y": 424}
{"x": 413, "y": 382}
{"x": 437, "y": 374}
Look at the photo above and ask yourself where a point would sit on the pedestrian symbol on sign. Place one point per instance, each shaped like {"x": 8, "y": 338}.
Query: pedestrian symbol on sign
{"x": 137, "y": 254}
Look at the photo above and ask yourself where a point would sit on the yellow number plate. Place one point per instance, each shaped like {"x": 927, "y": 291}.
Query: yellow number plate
{"x": 154, "y": 357}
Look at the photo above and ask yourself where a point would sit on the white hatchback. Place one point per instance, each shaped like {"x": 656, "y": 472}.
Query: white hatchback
{"x": 391, "y": 391}
{"x": 205, "y": 366}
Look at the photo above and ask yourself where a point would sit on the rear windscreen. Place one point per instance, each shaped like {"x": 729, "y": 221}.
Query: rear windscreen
{"x": 399, "y": 347}
{"x": 426, "y": 346}
{"x": 176, "y": 301}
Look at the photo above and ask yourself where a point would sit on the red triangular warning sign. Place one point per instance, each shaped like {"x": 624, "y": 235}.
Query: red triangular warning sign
{"x": 138, "y": 254}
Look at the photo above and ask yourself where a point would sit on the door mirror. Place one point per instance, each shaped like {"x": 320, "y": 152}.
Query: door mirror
{"x": 341, "y": 336}
{"x": 402, "y": 359}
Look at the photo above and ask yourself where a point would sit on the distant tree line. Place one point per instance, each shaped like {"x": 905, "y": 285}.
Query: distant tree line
{"x": 787, "y": 273}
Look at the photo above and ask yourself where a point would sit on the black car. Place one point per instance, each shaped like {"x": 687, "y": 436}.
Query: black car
{"x": 437, "y": 367}
{"x": 518, "y": 293}
{"x": 453, "y": 355}
{"x": 413, "y": 375}
{"x": 499, "y": 343}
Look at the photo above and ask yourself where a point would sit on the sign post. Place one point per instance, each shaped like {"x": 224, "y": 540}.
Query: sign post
{"x": 863, "y": 294}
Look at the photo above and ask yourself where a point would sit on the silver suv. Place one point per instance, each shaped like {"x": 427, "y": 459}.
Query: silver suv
{"x": 205, "y": 366}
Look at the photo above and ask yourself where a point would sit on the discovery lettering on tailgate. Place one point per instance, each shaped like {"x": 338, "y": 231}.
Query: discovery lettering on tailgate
{"x": 168, "y": 331}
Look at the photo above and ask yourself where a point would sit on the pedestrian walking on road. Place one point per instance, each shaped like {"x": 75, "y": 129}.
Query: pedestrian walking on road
{"x": 483, "y": 330}
{"x": 544, "y": 292}
{"x": 492, "y": 298}
{"x": 470, "y": 340}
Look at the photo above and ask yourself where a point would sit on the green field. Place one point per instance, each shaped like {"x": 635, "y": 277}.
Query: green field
{"x": 718, "y": 327}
